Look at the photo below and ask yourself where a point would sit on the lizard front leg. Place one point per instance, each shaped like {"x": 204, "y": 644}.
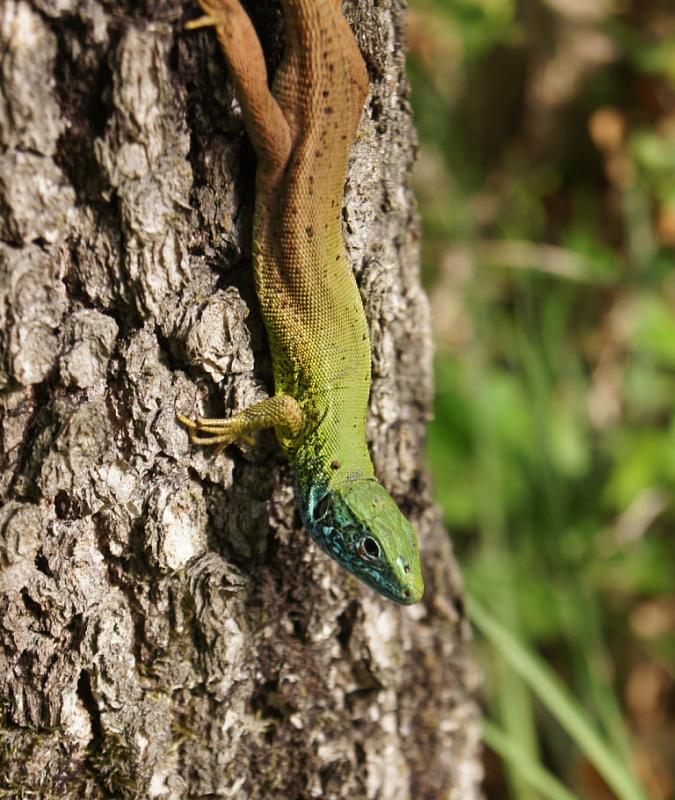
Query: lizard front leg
{"x": 280, "y": 412}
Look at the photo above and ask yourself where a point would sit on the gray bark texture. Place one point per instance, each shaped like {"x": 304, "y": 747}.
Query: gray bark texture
{"x": 167, "y": 629}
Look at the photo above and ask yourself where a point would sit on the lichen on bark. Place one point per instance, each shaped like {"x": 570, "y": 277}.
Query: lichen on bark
{"x": 167, "y": 629}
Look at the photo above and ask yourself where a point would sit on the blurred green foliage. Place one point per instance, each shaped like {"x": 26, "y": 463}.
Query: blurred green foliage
{"x": 546, "y": 181}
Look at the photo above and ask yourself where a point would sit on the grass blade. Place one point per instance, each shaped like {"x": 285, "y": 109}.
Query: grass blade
{"x": 554, "y": 695}
{"x": 530, "y": 770}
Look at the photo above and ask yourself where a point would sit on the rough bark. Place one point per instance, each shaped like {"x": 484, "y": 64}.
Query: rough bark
{"x": 167, "y": 629}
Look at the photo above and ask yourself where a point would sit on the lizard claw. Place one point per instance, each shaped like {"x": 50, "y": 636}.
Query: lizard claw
{"x": 220, "y": 432}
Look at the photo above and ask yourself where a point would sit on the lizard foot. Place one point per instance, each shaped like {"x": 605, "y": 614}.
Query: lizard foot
{"x": 221, "y": 432}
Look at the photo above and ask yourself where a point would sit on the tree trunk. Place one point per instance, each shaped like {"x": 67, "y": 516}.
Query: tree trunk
{"x": 167, "y": 628}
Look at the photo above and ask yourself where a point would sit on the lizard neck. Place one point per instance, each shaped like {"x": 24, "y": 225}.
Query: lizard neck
{"x": 330, "y": 457}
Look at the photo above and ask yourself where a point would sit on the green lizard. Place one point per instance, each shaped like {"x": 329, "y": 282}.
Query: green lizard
{"x": 301, "y": 130}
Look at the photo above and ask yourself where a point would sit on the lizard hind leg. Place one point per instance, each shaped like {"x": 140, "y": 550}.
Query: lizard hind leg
{"x": 201, "y": 22}
{"x": 265, "y": 122}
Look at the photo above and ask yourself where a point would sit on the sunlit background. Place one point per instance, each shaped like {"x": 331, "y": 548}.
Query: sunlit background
{"x": 546, "y": 181}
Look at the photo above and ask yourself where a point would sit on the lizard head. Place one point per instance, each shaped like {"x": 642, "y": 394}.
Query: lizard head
{"x": 361, "y": 527}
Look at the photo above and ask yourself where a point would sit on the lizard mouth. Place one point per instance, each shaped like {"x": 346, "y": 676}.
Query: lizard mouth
{"x": 413, "y": 594}
{"x": 408, "y": 595}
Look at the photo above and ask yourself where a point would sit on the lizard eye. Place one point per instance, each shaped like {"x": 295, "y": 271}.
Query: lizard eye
{"x": 321, "y": 508}
{"x": 369, "y": 548}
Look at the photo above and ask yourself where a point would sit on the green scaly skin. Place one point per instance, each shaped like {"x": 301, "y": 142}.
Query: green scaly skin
{"x": 317, "y": 329}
